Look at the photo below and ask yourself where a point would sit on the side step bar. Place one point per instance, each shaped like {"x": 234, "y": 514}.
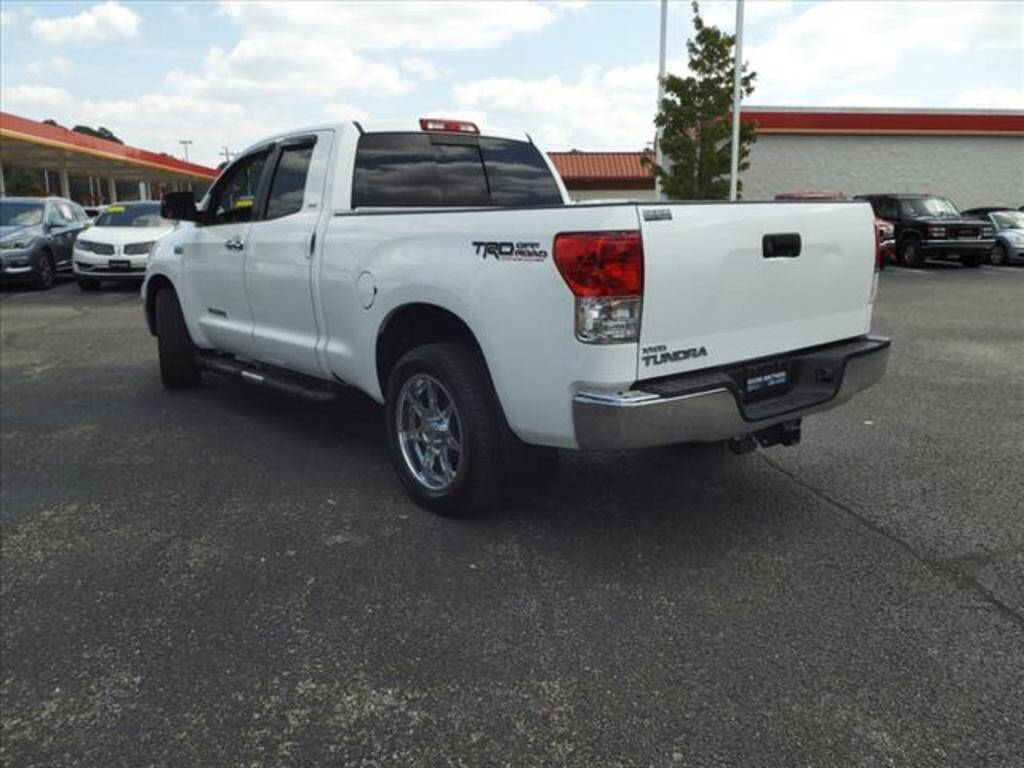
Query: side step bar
{"x": 283, "y": 381}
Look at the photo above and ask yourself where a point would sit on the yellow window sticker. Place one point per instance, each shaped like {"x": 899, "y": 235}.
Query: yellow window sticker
{"x": 114, "y": 209}
{"x": 245, "y": 202}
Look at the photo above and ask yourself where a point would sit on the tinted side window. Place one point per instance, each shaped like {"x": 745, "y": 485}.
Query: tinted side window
{"x": 289, "y": 185}
{"x": 395, "y": 169}
{"x": 518, "y": 174}
{"x": 235, "y": 194}
{"x": 886, "y": 209}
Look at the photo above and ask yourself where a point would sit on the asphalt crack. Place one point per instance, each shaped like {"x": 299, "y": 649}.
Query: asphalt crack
{"x": 946, "y": 569}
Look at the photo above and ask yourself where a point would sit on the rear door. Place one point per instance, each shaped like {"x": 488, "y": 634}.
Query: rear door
{"x": 731, "y": 282}
{"x": 282, "y": 244}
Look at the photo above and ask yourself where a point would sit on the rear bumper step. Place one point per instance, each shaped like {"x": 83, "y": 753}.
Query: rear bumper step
{"x": 709, "y": 406}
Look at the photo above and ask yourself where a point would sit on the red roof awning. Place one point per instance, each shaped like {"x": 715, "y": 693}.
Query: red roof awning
{"x": 14, "y": 129}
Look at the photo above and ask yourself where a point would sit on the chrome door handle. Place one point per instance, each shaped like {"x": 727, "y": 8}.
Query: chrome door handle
{"x": 234, "y": 243}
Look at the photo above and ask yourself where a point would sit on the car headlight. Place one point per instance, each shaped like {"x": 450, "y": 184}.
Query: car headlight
{"x": 17, "y": 243}
{"x": 137, "y": 249}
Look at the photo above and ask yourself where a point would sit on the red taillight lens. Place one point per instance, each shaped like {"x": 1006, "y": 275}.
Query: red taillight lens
{"x": 878, "y": 249}
{"x": 601, "y": 263}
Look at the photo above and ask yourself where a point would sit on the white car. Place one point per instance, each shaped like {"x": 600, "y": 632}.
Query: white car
{"x": 117, "y": 246}
{"x": 445, "y": 273}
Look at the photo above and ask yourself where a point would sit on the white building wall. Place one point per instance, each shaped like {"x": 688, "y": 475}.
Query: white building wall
{"x": 969, "y": 170}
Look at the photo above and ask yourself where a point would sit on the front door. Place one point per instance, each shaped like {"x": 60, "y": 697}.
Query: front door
{"x": 214, "y": 260}
{"x": 279, "y": 264}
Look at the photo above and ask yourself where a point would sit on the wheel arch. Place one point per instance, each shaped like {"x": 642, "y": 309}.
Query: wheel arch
{"x": 416, "y": 323}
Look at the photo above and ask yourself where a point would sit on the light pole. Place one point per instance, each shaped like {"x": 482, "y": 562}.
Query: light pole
{"x": 227, "y": 154}
{"x": 737, "y": 95}
{"x": 185, "y": 143}
{"x": 658, "y": 157}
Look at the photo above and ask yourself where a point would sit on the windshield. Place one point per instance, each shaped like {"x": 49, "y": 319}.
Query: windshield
{"x": 146, "y": 215}
{"x": 18, "y": 214}
{"x": 1008, "y": 219}
{"x": 920, "y": 207}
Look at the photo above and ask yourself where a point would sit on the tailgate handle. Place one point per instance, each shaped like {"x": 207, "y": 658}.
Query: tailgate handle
{"x": 780, "y": 246}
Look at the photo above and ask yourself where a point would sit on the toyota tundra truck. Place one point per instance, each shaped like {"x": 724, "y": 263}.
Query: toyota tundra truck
{"x": 443, "y": 271}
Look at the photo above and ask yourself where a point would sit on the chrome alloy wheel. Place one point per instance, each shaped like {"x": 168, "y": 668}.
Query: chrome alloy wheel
{"x": 429, "y": 432}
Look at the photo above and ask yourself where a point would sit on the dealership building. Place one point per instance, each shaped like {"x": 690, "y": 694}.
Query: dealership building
{"x": 974, "y": 158}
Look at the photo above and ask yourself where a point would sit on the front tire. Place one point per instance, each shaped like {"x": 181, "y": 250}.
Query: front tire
{"x": 44, "y": 277}
{"x": 444, "y": 429}
{"x": 910, "y": 254}
{"x": 178, "y": 369}
{"x": 998, "y": 256}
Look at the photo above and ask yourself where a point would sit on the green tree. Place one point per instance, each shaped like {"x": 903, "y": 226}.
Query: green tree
{"x": 21, "y": 181}
{"x": 99, "y": 133}
{"x": 694, "y": 116}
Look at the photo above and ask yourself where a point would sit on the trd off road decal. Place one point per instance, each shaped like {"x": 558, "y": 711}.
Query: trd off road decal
{"x": 658, "y": 355}
{"x": 509, "y": 251}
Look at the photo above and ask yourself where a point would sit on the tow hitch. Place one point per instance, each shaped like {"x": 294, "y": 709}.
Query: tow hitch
{"x": 786, "y": 433}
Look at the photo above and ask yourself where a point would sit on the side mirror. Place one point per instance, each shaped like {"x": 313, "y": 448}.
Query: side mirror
{"x": 180, "y": 206}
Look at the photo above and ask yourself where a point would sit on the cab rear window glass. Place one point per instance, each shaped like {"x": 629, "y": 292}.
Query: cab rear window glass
{"x": 424, "y": 171}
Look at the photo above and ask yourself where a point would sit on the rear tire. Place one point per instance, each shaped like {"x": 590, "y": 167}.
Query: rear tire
{"x": 44, "y": 277}
{"x": 88, "y": 285}
{"x": 418, "y": 435}
{"x": 178, "y": 369}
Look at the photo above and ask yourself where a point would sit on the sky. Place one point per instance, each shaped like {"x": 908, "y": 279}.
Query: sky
{"x": 573, "y": 74}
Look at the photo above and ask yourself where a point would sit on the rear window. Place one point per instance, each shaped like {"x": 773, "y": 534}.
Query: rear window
{"x": 421, "y": 170}
{"x": 144, "y": 215}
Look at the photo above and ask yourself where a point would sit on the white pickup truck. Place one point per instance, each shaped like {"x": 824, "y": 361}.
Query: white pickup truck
{"x": 446, "y": 273}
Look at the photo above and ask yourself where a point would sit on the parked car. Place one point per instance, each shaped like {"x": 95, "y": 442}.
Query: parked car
{"x": 1009, "y": 233}
{"x": 884, "y": 230}
{"x": 446, "y": 273}
{"x": 928, "y": 226}
{"x": 36, "y": 237}
{"x": 118, "y": 245}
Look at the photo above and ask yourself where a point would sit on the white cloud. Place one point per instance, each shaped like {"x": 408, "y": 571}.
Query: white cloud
{"x": 991, "y": 98}
{"x": 57, "y": 65}
{"x": 602, "y": 109}
{"x": 345, "y": 112}
{"x": 448, "y": 26}
{"x": 421, "y": 68}
{"x": 107, "y": 21}
{"x": 858, "y": 44}
{"x": 34, "y": 97}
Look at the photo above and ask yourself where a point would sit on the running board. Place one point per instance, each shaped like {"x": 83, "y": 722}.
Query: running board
{"x": 283, "y": 381}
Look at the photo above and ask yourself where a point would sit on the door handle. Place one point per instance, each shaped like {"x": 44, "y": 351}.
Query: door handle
{"x": 234, "y": 244}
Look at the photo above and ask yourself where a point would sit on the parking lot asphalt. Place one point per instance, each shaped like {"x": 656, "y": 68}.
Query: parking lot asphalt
{"x": 228, "y": 577}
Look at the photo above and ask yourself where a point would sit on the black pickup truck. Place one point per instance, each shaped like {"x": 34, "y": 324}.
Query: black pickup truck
{"x": 928, "y": 226}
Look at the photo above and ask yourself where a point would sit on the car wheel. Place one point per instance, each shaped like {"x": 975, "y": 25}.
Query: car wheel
{"x": 44, "y": 271}
{"x": 444, "y": 429}
{"x": 998, "y": 255}
{"x": 178, "y": 368}
{"x": 911, "y": 254}
{"x": 86, "y": 284}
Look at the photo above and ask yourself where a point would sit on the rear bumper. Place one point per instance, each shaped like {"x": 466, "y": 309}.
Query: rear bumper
{"x": 708, "y": 406}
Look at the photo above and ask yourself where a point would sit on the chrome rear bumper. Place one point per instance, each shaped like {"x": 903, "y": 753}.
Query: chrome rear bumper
{"x": 710, "y": 406}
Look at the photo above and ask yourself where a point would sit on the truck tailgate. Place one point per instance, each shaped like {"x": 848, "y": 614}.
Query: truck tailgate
{"x": 716, "y": 292}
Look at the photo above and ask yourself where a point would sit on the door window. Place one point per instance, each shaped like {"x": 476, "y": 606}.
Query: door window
{"x": 289, "y": 185}
{"x": 66, "y": 214}
{"x": 886, "y": 209}
{"x": 235, "y": 195}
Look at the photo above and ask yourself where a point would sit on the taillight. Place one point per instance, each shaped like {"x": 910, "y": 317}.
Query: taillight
{"x": 605, "y": 272}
